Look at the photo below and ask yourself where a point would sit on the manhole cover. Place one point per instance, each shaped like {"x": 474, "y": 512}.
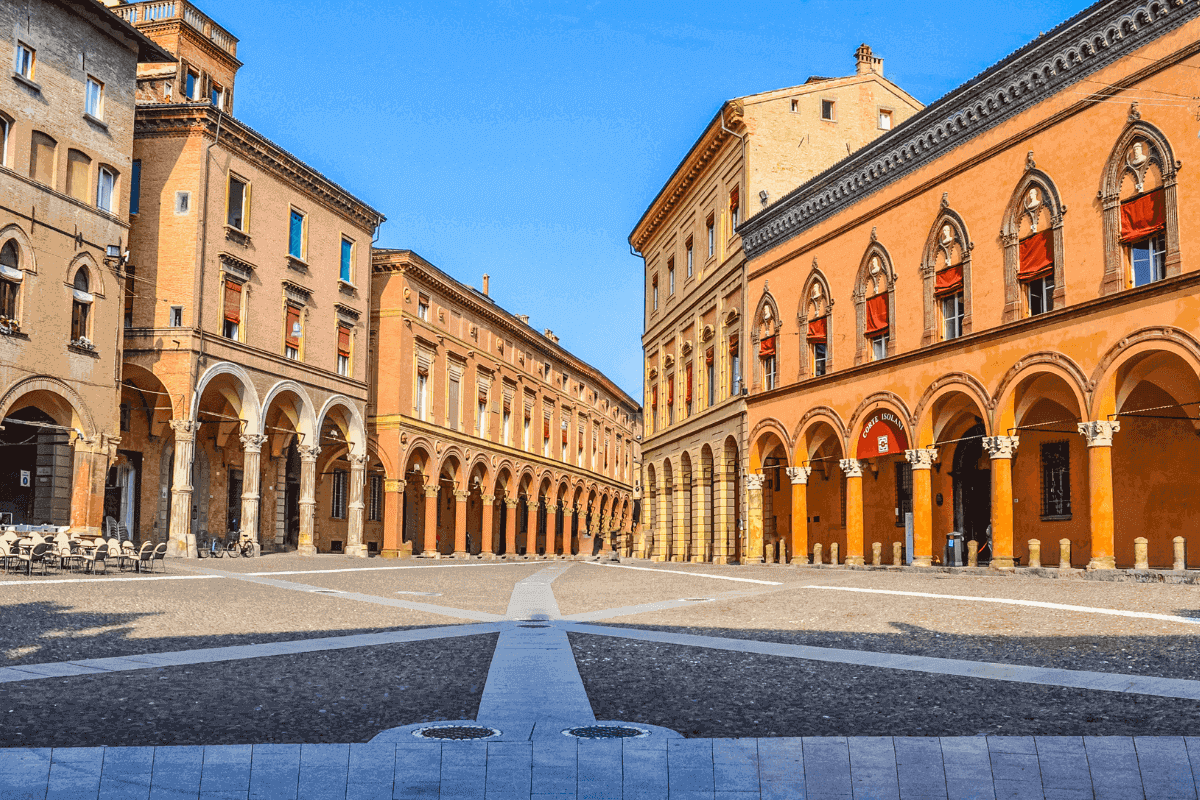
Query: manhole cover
{"x": 533, "y": 626}
{"x": 458, "y": 733}
{"x": 607, "y": 732}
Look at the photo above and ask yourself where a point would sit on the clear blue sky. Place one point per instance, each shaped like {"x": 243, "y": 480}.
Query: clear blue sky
{"x": 525, "y": 139}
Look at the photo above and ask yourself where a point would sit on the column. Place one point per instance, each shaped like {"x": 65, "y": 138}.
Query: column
{"x": 1001, "y": 449}
{"x": 922, "y": 504}
{"x": 460, "y": 523}
{"x": 701, "y": 532}
{"x": 308, "y": 497}
{"x": 754, "y": 520}
{"x": 799, "y": 479}
{"x": 531, "y": 532}
{"x": 662, "y": 533}
{"x": 510, "y": 527}
{"x": 429, "y": 545}
{"x": 252, "y": 444}
{"x": 354, "y": 526}
{"x": 606, "y": 534}
{"x": 723, "y": 500}
{"x": 679, "y": 552}
{"x": 90, "y": 463}
{"x": 852, "y": 468}
{"x": 393, "y": 517}
{"x": 487, "y": 540}
{"x": 1099, "y": 436}
{"x": 182, "y": 540}
{"x": 568, "y": 537}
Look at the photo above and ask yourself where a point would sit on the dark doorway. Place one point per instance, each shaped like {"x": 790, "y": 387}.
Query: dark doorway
{"x": 291, "y": 499}
{"x": 35, "y": 470}
{"x": 123, "y": 491}
{"x": 233, "y": 513}
{"x": 972, "y": 475}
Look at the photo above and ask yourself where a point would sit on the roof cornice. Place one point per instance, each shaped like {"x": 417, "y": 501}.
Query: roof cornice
{"x": 1091, "y": 40}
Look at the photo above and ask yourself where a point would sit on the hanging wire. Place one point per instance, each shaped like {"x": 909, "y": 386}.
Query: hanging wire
{"x": 1037, "y": 425}
{"x": 1137, "y": 411}
{"x": 1140, "y": 89}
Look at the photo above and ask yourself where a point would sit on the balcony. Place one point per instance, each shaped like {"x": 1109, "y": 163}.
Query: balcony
{"x": 139, "y": 14}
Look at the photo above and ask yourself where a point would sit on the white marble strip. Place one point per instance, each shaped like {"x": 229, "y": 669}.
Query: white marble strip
{"x": 1045, "y": 676}
{"x": 100, "y": 579}
{"x": 428, "y": 565}
{"x": 683, "y": 573}
{"x": 1114, "y": 612}
{"x": 626, "y": 611}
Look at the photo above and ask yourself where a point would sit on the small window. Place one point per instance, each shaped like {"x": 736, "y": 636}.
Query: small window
{"x": 106, "y": 183}
{"x": 374, "y": 498}
{"x": 735, "y": 208}
{"x": 216, "y": 95}
{"x": 710, "y": 384}
{"x": 735, "y": 368}
{"x": 183, "y": 202}
{"x": 689, "y": 257}
{"x": 81, "y": 306}
{"x": 879, "y": 347}
{"x": 339, "y": 494}
{"x": 827, "y": 110}
{"x": 1056, "y": 480}
{"x": 422, "y": 394}
{"x": 296, "y": 235}
{"x": 795, "y": 105}
{"x": 293, "y": 333}
{"x": 176, "y": 318}
{"x": 135, "y": 186}
{"x": 885, "y": 120}
{"x": 654, "y": 291}
{"x": 94, "y": 98}
{"x": 1041, "y": 295}
{"x": 670, "y": 276}
{"x": 1147, "y": 260}
{"x": 237, "y": 203}
{"x": 712, "y": 236}
{"x": 26, "y": 58}
{"x": 952, "y": 316}
{"x": 769, "y": 373}
{"x": 343, "y": 350}
{"x": 5, "y": 130}
{"x": 193, "y": 85}
{"x": 423, "y": 308}
{"x": 820, "y": 359}
{"x": 347, "y": 260}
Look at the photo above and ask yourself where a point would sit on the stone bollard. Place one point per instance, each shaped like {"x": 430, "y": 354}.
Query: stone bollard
{"x": 972, "y": 553}
{"x": 1141, "y": 554}
{"x": 877, "y": 554}
{"x": 897, "y": 554}
{"x": 833, "y": 553}
{"x": 769, "y": 553}
{"x": 1064, "y": 553}
{"x": 1035, "y": 553}
{"x": 817, "y": 553}
{"x": 1180, "y": 554}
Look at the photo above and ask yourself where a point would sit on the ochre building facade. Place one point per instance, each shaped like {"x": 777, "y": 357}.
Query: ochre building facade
{"x": 986, "y": 322}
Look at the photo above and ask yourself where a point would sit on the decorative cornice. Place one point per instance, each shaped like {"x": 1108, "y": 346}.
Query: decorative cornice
{"x": 242, "y": 268}
{"x": 295, "y": 291}
{"x": 1089, "y": 41}
{"x": 347, "y": 311}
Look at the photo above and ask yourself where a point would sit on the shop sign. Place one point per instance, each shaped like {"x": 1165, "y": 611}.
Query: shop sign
{"x": 883, "y": 434}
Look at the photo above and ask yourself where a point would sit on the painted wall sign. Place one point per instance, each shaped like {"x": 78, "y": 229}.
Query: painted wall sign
{"x": 883, "y": 434}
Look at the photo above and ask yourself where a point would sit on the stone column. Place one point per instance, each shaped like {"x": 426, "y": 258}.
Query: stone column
{"x": 429, "y": 545}
{"x": 308, "y": 497}
{"x": 252, "y": 444}
{"x": 799, "y": 479}
{"x": 487, "y": 534}
{"x": 922, "y": 504}
{"x": 723, "y": 502}
{"x": 1001, "y": 449}
{"x": 754, "y": 520}
{"x": 510, "y": 527}
{"x": 531, "y": 529}
{"x": 662, "y": 544}
{"x": 568, "y": 537}
{"x": 607, "y": 533}
{"x": 182, "y": 540}
{"x": 852, "y": 468}
{"x": 393, "y": 517}
{"x": 354, "y": 526}
{"x": 679, "y": 550}
{"x": 460, "y": 523}
{"x": 90, "y": 463}
{"x": 1099, "y": 436}
{"x": 701, "y": 532}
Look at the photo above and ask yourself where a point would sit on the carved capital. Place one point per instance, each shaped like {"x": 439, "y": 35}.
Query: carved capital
{"x": 1001, "y": 446}
{"x": 185, "y": 429}
{"x": 921, "y": 459}
{"x": 253, "y": 442}
{"x": 488, "y": 499}
{"x": 1099, "y": 433}
{"x": 390, "y": 485}
{"x": 754, "y": 483}
{"x": 799, "y": 475}
{"x": 461, "y": 495}
{"x": 431, "y": 491}
{"x": 308, "y": 452}
{"x": 851, "y": 467}
{"x": 511, "y": 502}
{"x": 359, "y": 461}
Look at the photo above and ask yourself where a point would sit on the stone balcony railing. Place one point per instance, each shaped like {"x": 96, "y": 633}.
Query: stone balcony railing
{"x": 138, "y": 14}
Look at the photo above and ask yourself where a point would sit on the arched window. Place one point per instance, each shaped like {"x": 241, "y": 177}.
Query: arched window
{"x": 766, "y": 334}
{"x": 81, "y": 305}
{"x": 816, "y": 312}
{"x": 42, "y": 157}
{"x": 946, "y": 278}
{"x": 874, "y": 304}
{"x": 10, "y": 282}
{"x": 1141, "y": 224}
{"x": 79, "y": 175}
{"x": 1033, "y": 247}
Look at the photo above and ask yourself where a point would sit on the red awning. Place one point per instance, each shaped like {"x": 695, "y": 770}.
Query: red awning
{"x": 818, "y": 330}
{"x": 233, "y": 301}
{"x": 343, "y": 341}
{"x": 949, "y": 281}
{"x": 1036, "y": 257}
{"x": 654, "y": 397}
{"x": 766, "y": 347}
{"x": 708, "y": 357}
{"x": 877, "y": 315}
{"x": 671, "y": 391}
{"x": 1143, "y": 216}
{"x": 545, "y": 427}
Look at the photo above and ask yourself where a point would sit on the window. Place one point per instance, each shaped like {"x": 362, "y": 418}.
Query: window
{"x": 654, "y": 292}
{"x": 79, "y": 175}
{"x": 130, "y": 294}
{"x": 670, "y": 381}
{"x": 710, "y": 384}
{"x": 506, "y": 422}
{"x": 347, "y": 260}
{"x": 135, "y": 186}
{"x": 819, "y": 358}
{"x": 10, "y": 280}
{"x": 735, "y": 208}
{"x": 192, "y": 85}
{"x": 293, "y": 333}
{"x": 670, "y": 276}
{"x": 563, "y": 442}
{"x": 339, "y": 494}
{"x": 42, "y": 156}
{"x": 952, "y": 316}
{"x": 795, "y": 105}
{"x": 827, "y": 110}
{"x": 453, "y": 404}
{"x": 374, "y": 498}
{"x": 216, "y": 95}
{"x": 481, "y": 426}
{"x": 1056, "y": 480}
{"x": 233, "y": 310}
{"x": 712, "y": 236}
{"x": 81, "y": 305}
{"x": 879, "y": 347}
{"x": 25, "y": 61}
{"x": 687, "y": 389}
{"x": 735, "y": 368}
{"x": 546, "y": 436}
{"x": 689, "y": 257}
{"x": 183, "y": 202}
{"x": 1041, "y": 295}
{"x": 885, "y": 120}
{"x": 423, "y": 308}
{"x": 766, "y": 354}
{"x": 526, "y": 441}
{"x": 105, "y": 184}
{"x": 5, "y": 129}
{"x": 93, "y": 98}
{"x": 176, "y": 317}
{"x": 1147, "y": 260}
{"x": 904, "y": 492}
{"x": 343, "y": 350}
{"x": 422, "y": 393}
{"x": 237, "y": 203}
{"x": 296, "y": 235}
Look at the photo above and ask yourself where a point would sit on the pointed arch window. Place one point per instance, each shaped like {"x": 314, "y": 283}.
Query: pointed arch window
{"x": 81, "y": 306}
{"x": 766, "y": 332}
{"x": 11, "y": 277}
{"x": 1033, "y": 247}
{"x": 874, "y": 300}
{"x": 946, "y": 277}
{"x": 816, "y": 307}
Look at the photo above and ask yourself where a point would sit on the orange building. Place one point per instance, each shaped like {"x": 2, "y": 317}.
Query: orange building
{"x": 986, "y": 321}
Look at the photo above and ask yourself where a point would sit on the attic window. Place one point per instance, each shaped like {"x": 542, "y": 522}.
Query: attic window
{"x": 827, "y": 109}
{"x": 795, "y": 105}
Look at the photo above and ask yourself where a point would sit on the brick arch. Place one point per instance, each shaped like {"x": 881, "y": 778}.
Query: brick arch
{"x": 962, "y": 382}
{"x": 51, "y": 385}
{"x": 1046, "y": 361}
{"x": 1166, "y": 339}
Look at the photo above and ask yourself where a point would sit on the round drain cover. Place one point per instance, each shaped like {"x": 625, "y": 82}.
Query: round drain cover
{"x": 607, "y": 732}
{"x": 461, "y": 733}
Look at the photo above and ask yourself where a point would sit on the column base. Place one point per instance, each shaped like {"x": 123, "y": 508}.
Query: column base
{"x": 799, "y": 561}
{"x": 1002, "y": 562}
{"x": 488, "y": 556}
{"x": 922, "y": 561}
{"x": 461, "y": 554}
{"x": 697, "y": 559}
{"x": 854, "y": 561}
{"x": 183, "y": 548}
{"x": 720, "y": 560}
{"x": 1102, "y": 562}
{"x": 357, "y": 551}
{"x": 306, "y": 550}
{"x": 389, "y": 553}
{"x": 434, "y": 554}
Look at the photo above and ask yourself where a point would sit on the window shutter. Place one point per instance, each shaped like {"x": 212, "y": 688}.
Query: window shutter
{"x": 818, "y": 331}
{"x": 766, "y": 347}
{"x": 343, "y": 341}
{"x": 1036, "y": 257}
{"x": 233, "y": 301}
{"x": 947, "y": 282}
{"x": 877, "y": 315}
{"x": 290, "y": 333}
{"x": 688, "y": 397}
{"x": 1143, "y": 216}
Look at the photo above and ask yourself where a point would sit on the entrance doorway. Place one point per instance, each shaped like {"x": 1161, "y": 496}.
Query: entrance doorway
{"x": 291, "y": 499}
{"x": 35, "y": 469}
{"x": 122, "y": 490}
{"x": 973, "y": 492}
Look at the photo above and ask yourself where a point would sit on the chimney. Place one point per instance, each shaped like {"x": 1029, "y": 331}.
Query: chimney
{"x": 867, "y": 61}
{"x": 550, "y": 335}
{"x": 485, "y": 284}
{"x": 523, "y": 317}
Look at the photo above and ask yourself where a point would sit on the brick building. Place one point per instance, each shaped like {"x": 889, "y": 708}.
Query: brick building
{"x": 987, "y": 320}
{"x": 66, "y": 139}
{"x": 697, "y": 342}
{"x": 488, "y": 437}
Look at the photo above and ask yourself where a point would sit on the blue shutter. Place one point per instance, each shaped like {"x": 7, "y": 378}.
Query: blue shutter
{"x": 296, "y": 237}
{"x": 347, "y": 251}
{"x": 135, "y": 186}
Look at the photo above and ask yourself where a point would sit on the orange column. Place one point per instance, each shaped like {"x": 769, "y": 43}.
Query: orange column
{"x": 510, "y": 527}
{"x": 852, "y": 468}
{"x": 487, "y": 547}
{"x": 1100, "y": 491}
{"x": 393, "y": 518}
{"x": 531, "y": 529}
{"x": 1001, "y": 449}
{"x": 429, "y": 546}
{"x": 799, "y": 545}
{"x": 460, "y": 523}
{"x": 922, "y": 505}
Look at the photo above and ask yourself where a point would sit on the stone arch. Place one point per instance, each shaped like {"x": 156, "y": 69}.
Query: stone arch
{"x": 1044, "y": 361}
{"x": 961, "y": 382}
{"x": 75, "y": 414}
{"x": 765, "y": 327}
{"x": 251, "y": 409}
{"x": 872, "y": 401}
{"x": 814, "y": 416}
{"x": 1036, "y": 207}
{"x": 816, "y": 305}
{"x": 876, "y": 277}
{"x": 454, "y": 454}
{"x": 95, "y": 274}
{"x": 947, "y": 248}
{"x": 1107, "y": 399}
{"x": 356, "y": 435}
{"x": 761, "y": 436}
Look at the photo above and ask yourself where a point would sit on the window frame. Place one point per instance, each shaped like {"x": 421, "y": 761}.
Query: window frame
{"x": 112, "y": 189}
{"x": 654, "y": 291}
{"x": 5, "y": 135}
{"x": 191, "y": 84}
{"x": 81, "y": 307}
{"x": 690, "y": 257}
{"x": 343, "y": 363}
{"x": 831, "y": 107}
{"x": 10, "y": 287}
{"x": 374, "y": 498}
{"x": 879, "y": 343}
{"x": 1046, "y": 290}
{"x": 25, "y": 67}
{"x": 135, "y": 186}
{"x": 244, "y": 224}
{"x": 293, "y": 214}
{"x": 671, "y": 276}
{"x": 95, "y": 111}
{"x": 423, "y": 307}
{"x": 1156, "y": 257}
{"x": 711, "y": 227}
{"x": 229, "y": 329}
{"x": 885, "y": 113}
{"x": 1045, "y": 452}
{"x": 339, "y": 490}
{"x": 346, "y": 262}
{"x": 175, "y": 317}
{"x": 952, "y": 324}
{"x": 297, "y": 353}
{"x": 820, "y": 358}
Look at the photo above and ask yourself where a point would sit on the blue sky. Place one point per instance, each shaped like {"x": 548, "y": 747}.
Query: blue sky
{"x": 525, "y": 139}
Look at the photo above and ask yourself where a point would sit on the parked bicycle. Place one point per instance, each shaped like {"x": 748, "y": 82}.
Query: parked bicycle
{"x": 209, "y": 546}
{"x": 239, "y": 544}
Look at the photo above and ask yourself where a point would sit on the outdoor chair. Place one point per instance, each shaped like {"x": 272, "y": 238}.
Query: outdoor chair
{"x": 143, "y": 556}
{"x": 97, "y": 556}
{"x": 160, "y": 554}
{"x": 9, "y": 552}
{"x": 127, "y": 554}
{"x": 35, "y": 555}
